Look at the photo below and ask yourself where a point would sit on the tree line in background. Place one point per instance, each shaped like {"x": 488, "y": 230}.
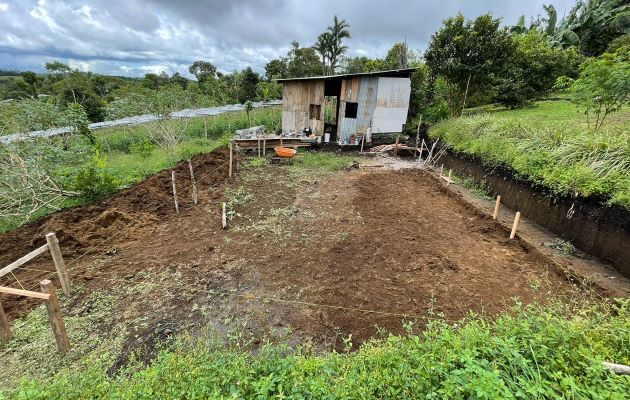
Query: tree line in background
{"x": 467, "y": 63}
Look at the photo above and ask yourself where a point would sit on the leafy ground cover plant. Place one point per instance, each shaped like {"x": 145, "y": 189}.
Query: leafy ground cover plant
{"x": 532, "y": 351}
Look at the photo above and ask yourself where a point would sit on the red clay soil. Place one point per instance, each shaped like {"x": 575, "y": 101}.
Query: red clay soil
{"x": 391, "y": 242}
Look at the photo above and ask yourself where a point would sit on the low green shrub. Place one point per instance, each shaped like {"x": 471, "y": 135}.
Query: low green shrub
{"x": 532, "y": 351}
{"x": 143, "y": 148}
{"x": 94, "y": 180}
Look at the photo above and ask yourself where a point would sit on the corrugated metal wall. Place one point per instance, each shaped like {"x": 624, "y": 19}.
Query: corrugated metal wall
{"x": 392, "y": 105}
{"x": 361, "y": 90}
{"x": 383, "y": 103}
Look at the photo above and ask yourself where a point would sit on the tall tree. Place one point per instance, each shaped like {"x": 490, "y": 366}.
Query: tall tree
{"x": 302, "y": 61}
{"x": 32, "y": 80}
{"x": 323, "y": 47}
{"x": 203, "y": 70}
{"x": 276, "y": 69}
{"x": 469, "y": 55}
{"x": 247, "y": 82}
{"x": 338, "y": 31}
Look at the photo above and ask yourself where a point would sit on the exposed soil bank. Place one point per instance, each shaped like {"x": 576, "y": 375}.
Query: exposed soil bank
{"x": 600, "y": 230}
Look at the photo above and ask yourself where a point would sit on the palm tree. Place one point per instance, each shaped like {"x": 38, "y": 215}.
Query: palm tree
{"x": 322, "y": 46}
{"x": 339, "y": 30}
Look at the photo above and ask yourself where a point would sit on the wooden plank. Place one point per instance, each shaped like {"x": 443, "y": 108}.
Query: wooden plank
{"x": 23, "y": 260}
{"x": 60, "y": 265}
{"x": 26, "y": 293}
{"x": 5, "y": 329}
{"x": 55, "y": 317}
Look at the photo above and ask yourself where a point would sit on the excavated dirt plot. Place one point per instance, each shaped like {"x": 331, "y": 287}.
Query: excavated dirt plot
{"x": 308, "y": 250}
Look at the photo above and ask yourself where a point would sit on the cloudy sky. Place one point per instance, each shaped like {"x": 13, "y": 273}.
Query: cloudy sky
{"x": 133, "y": 37}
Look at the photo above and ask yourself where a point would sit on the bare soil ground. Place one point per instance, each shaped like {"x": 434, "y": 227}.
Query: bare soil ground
{"x": 312, "y": 254}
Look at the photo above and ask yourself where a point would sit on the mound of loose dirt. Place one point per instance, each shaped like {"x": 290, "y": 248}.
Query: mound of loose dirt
{"x": 134, "y": 209}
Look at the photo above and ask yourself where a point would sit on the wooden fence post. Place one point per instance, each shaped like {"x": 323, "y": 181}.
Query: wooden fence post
{"x": 230, "y": 170}
{"x": 5, "y": 329}
{"x": 205, "y": 125}
{"x": 223, "y": 216}
{"x": 448, "y": 182}
{"x": 496, "y": 208}
{"x": 174, "y": 192}
{"x": 396, "y": 147}
{"x": 258, "y": 138}
{"x": 195, "y": 195}
{"x": 60, "y": 265}
{"x": 54, "y": 316}
{"x": 264, "y": 144}
{"x": 517, "y": 221}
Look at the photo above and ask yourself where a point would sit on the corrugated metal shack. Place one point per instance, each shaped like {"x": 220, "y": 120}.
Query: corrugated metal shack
{"x": 363, "y": 103}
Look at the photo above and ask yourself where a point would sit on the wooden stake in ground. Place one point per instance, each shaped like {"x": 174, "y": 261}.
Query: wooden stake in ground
{"x": 230, "y": 168}
{"x": 264, "y": 144}
{"x": 496, "y": 208}
{"x": 60, "y": 265}
{"x": 174, "y": 192}
{"x": 517, "y": 221}
{"x": 205, "y": 125}
{"x": 441, "y": 170}
{"x": 223, "y": 216}
{"x": 258, "y": 137}
{"x": 5, "y": 329}
{"x": 54, "y": 316}
{"x": 448, "y": 182}
{"x": 195, "y": 196}
{"x": 396, "y": 147}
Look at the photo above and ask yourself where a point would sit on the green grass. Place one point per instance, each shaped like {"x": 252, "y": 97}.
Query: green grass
{"x": 550, "y": 145}
{"x": 553, "y": 351}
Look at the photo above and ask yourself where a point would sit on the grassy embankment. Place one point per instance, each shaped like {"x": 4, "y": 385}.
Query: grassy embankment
{"x": 129, "y": 154}
{"x": 549, "y": 145}
{"x": 530, "y": 352}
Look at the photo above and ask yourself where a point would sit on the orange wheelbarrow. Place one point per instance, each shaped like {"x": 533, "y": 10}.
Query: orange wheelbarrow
{"x": 284, "y": 152}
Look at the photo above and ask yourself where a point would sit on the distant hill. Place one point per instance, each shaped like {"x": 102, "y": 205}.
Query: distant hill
{"x": 9, "y": 72}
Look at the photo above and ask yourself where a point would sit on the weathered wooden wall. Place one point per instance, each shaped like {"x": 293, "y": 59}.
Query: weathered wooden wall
{"x": 296, "y": 100}
{"x": 382, "y": 103}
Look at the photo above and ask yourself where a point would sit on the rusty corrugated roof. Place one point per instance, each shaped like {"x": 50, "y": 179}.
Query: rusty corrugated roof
{"x": 403, "y": 73}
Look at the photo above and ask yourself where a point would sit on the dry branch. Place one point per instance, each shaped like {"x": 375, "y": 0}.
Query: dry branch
{"x": 27, "y": 187}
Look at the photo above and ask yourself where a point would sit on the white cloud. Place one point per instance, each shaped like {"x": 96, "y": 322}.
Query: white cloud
{"x": 132, "y": 37}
